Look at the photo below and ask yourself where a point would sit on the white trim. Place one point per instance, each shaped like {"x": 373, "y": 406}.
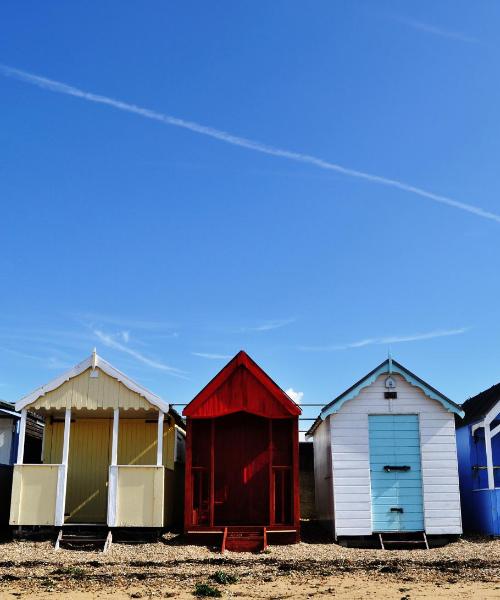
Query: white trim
{"x": 22, "y": 436}
{"x": 489, "y": 456}
{"x": 62, "y": 477}
{"x": 114, "y": 440}
{"x": 176, "y": 444}
{"x": 159, "y": 449}
{"x": 93, "y": 361}
{"x": 60, "y": 496}
{"x": 112, "y": 495}
{"x": 495, "y": 430}
{"x": 492, "y": 413}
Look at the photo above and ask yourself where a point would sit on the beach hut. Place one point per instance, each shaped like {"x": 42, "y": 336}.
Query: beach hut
{"x": 109, "y": 455}
{"x": 479, "y": 462}
{"x": 385, "y": 460}
{"x": 242, "y": 460}
{"x": 9, "y": 438}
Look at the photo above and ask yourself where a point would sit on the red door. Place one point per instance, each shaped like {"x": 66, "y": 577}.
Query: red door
{"x": 241, "y": 461}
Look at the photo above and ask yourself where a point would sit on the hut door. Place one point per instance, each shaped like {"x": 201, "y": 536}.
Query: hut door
{"x": 241, "y": 486}
{"x": 89, "y": 452}
{"x": 396, "y": 475}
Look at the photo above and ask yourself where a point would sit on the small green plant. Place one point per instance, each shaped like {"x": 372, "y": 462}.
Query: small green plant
{"x": 47, "y": 583}
{"x": 224, "y": 578}
{"x": 207, "y": 591}
{"x": 71, "y": 571}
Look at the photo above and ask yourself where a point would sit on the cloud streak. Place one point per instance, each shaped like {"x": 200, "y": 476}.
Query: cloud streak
{"x": 267, "y": 326}
{"x": 212, "y": 356}
{"x": 111, "y": 342}
{"x": 385, "y": 341}
{"x": 432, "y": 29}
{"x": 228, "y": 138}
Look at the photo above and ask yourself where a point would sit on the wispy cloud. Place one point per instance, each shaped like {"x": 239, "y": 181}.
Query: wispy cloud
{"x": 127, "y": 323}
{"x": 112, "y": 342}
{"x": 439, "y": 31}
{"x": 212, "y": 356}
{"x": 228, "y": 138}
{"x": 49, "y": 362}
{"x": 387, "y": 340}
{"x": 266, "y": 326}
{"x": 294, "y": 395}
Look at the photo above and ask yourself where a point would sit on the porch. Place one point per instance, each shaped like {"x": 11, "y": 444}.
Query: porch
{"x": 100, "y": 467}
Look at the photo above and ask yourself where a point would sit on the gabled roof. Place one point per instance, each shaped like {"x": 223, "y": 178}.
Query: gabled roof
{"x": 388, "y": 366}
{"x": 211, "y": 402}
{"x": 93, "y": 362}
{"x": 477, "y": 407}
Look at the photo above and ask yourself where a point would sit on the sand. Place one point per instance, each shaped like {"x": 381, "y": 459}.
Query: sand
{"x": 467, "y": 568}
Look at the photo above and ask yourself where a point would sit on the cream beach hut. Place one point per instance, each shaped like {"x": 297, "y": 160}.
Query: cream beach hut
{"x": 111, "y": 453}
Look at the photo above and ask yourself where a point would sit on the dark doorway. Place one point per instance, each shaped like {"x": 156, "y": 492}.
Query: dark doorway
{"x": 241, "y": 462}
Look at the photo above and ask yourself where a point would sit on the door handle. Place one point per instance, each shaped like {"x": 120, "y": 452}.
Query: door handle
{"x": 396, "y": 509}
{"x": 389, "y": 468}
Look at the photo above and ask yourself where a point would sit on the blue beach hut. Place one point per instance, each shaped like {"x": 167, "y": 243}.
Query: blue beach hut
{"x": 478, "y": 445}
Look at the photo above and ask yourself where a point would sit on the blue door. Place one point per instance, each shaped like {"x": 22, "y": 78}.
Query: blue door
{"x": 396, "y": 474}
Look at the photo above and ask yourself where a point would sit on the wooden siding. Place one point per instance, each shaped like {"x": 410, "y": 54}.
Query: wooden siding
{"x": 323, "y": 474}
{"x": 351, "y": 464}
{"x": 140, "y": 496}
{"x": 138, "y": 440}
{"x": 92, "y": 393}
{"x": 34, "y": 489}
{"x": 89, "y": 457}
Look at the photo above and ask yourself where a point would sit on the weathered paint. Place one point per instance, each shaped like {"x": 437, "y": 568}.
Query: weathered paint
{"x": 92, "y": 393}
{"x": 397, "y": 503}
{"x": 323, "y": 476}
{"x": 140, "y": 496}
{"x": 34, "y": 494}
{"x": 6, "y": 439}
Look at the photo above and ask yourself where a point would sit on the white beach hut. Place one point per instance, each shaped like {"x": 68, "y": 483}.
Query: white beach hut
{"x": 386, "y": 460}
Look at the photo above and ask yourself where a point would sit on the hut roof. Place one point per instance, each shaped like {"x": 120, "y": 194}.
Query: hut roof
{"x": 93, "y": 362}
{"x": 213, "y": 401}
{"x": 387, "y": 366}
{"x": 478, "y": 406}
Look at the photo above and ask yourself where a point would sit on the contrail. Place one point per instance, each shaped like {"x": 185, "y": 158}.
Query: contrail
{"x": 387, "y": 340}
{"x": 228, "y": 138}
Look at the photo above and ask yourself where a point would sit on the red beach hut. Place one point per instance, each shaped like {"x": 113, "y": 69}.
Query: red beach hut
{"x": 242, "y": 460}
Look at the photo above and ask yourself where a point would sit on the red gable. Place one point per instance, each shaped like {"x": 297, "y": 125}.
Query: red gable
{"x": 242, "y": 386}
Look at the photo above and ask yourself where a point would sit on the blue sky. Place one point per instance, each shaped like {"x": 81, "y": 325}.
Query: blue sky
{"x": 170, "y": 247}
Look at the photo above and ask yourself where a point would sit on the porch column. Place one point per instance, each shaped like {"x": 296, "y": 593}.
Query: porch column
{"x": 114, "y": 441}
{"x": 489, "y": 456}
{"x": 22, "y": 436}
{"x": 113, "y": 472}
{"x": 63, "y": 472}
{"x": 159, "y": 448}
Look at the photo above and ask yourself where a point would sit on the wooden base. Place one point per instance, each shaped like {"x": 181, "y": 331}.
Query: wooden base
{"x": 242, "y": 538}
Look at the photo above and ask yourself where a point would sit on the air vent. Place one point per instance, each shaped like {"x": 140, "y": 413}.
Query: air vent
{"x": 390, "y": 395}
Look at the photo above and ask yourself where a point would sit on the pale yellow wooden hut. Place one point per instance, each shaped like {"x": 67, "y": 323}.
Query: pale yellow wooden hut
{"x": 112, "y": 453}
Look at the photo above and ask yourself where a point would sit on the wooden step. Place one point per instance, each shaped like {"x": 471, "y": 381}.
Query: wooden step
{"x": 244, "y": 539}
{"x": 403, "y": 539}
{"x": 83, "y": 539}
